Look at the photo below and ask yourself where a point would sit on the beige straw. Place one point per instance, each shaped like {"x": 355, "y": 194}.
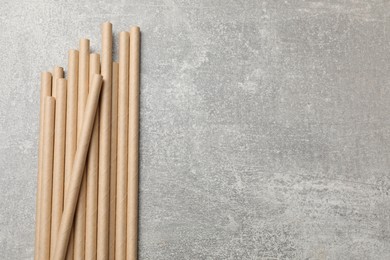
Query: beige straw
{"x": 78, "y": 169}
{"x": 83, "y": 81}
{"x": 132, "y": 189}
{"x": 123, "y": 115}
{"x": 47, "y": 178}
{"x": 59, "y": 160}
{"x": 92, "y": 173}
{"x": 88, "y": 167}
{"x": 45, "y": 91}
{"x": 71, "y": 127}
{"x": 104, "y": 145}
{"x": 114, "y": 134}
{"x": 58, "y": 73}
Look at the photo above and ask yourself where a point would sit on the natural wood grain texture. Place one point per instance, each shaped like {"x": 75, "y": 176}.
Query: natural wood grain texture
{"x": 47, "y": 178}
{"x": 132, "y": 189}
{"x": 113, "y": 173}
{"x": 59, "y": 160}
{"x": 71, "y": 126}
{"x": 78, "y": 169}
{"x": 92, "y": 174}
{"x": 44, "y": 92}
{"x": 122, "y": 167}
{"x": 105, "y": 144}
{"x": 83, "y": 81}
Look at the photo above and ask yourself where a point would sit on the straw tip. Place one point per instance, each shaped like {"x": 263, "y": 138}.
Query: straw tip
{"x": 84, "y": 40}
{"x": 46, "y": 74}
{"x": 107, "y": 25}
{"x": 50, "y": 99}
{"x": 98, "y": 77}
{"x": 124, "y": 34}
{"x": 61, "y": 80}
{"x": 94, "y": 55}
{"x": 73, "y": 52}
{"x": 134, "y": 29}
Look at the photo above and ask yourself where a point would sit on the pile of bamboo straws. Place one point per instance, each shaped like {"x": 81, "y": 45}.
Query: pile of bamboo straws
{"x": 87, "y": 198}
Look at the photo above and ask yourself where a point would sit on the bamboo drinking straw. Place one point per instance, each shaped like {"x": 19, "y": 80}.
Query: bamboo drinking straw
{"x": 71, "y": 126}
{"x": 83, "y": 80}
{"x": 92, "y": 175}
{"x": 78, "y": 169}
{"x": 113, "y": 173}
{"x": 104, "y": 144}
{"x": 132, "y": 202}
{"x": 59, "y": 160}
{"x": 58, "y": 73}
{"x": 45, "y": 91}
{"x": 123, "y": 112}
{"x": 47, "y": 178}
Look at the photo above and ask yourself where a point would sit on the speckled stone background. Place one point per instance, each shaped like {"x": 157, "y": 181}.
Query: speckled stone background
{"x": 265, "y": 124}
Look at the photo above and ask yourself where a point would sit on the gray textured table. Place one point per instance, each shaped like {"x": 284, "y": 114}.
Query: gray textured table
{"x": 265, "y": 124}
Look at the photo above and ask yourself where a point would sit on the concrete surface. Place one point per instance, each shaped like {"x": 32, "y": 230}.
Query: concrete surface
{"x": 265, "y": 124}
